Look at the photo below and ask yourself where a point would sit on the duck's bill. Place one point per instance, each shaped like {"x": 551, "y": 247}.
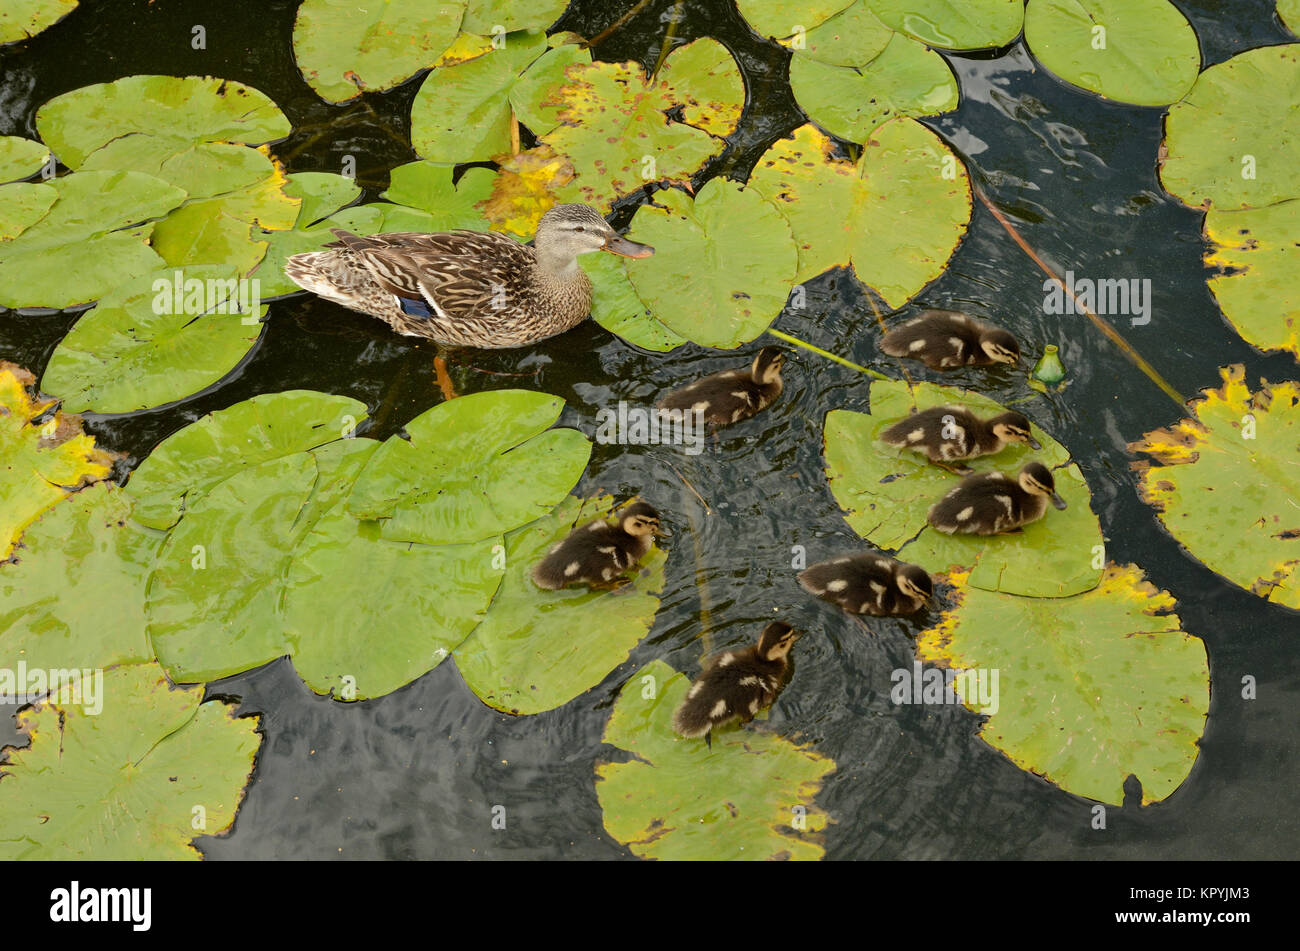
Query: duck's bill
{"x": 1034, "y": 443}
{"x": 629, "y": 249}
{"x": 1058, "y": 501}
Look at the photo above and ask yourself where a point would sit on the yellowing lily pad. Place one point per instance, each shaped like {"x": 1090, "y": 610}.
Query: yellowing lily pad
{"x": 1089, "y": 689}
{"x": 887, "y": 493}
{"x": 750, "y": 796}
{"x": 44, "y": 456}
{"x": 142, "y": 778}
{"x": 1259, "y": 288}
{"x": 1227, "y": 484}
{"x": 536, "y": 650}
{"x": 895, "y": 218}
{"x": 21, "y": 19}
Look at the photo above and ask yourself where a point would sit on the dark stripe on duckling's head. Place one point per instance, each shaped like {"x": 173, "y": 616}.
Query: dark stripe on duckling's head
{"x": 638, "y": 518}
{"x": 767, "y": 364}
{"x": 1013, "y": 427}
{"x": 999, "y": 345}
{"x": 1037, "y": 479}
{"x": 776, "y": 640}
{"x": 914, "y": 581}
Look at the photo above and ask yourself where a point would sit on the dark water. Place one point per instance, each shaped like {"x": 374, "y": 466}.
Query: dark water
{"x": 415, "y": 774}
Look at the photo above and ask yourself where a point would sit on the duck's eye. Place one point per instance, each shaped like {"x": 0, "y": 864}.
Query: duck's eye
{"x": 580, "y": 228}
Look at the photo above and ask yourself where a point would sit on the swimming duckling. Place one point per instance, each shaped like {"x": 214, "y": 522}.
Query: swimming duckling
{"x": 598, "y": 554}
{"x": 869, "y": 583}
{"x": 944, "y": 339}
{"x": 947, "y": 433}
{"x": 732, "y": 395}
{"x": 990, "y": 503}
{"x": 737, "y": 683}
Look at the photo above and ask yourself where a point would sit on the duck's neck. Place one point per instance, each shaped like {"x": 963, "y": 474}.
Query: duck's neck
{"x": 556, "y": 266}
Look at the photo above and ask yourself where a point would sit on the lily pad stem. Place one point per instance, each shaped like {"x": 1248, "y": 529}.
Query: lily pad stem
{"x": 875, "y": 374}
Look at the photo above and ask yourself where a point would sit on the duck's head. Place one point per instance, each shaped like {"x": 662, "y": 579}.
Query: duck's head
{"x": 914, "y": 581}
{"x": 569, "y": 230}
{"x": 1000, "y": 346}
{"x": 1013, "y": 427}
{"x": 776, "y": 640}
{"x": 639, "y": 519}
{"x": 767, "y": 365}
{"x": 1036, "y": 479}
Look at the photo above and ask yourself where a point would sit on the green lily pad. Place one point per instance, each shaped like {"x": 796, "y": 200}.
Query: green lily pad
{"x": 749, "y": 796}
{"x": 704, "y": 76}
{"x": 1229, "y": 142}
{"x": 192, "y": 462}
{"x": 428, "y": 187}
{"x": 201, "y": 170}
{"x": 76, "y": 253}
{"x": 853, "y": 37}
{"x": 321, "y": 194}
{"x": 617, "y": 132}
{"x": 1259, "y": 290}
{"x": 345, "y": 50}
{"x": 534, "y": 96}
{"x": 887, "y": 493}
{"x": 142, "y": 779}
{"x": 906, "y": 79}
{"x": 20, "y": 158}
{"x": 21, "y": 19}
{"x": 954, "y": 24}
{"x": 76, "y": 559}
{"x": 1288, "y": 11}
{"x": 752, "y": 262}
{"x": 618, "y": 308}
{"x": 192, "y": 108}
{"x": 471, "y": 469}
{"x": 1227, "y": 483}
{"x": 489, "y": 16}
{"x": 44, "y": 456}
{"x": 1138, "y": 51}
{"x": 1089, "y": 688}
{"x": 895, "y": 218}
{"x": 130, "y": 352}
{"x": 462, "y": 113}
{"x": 537, "y": 650}
{"x": 781, "y": 18}
{"x": 22, "y": 204}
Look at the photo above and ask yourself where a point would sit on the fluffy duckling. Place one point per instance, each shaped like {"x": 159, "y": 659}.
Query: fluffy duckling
{"x": 599, "y": 554}
{"x": 949, "y": 433}
{"x": 732, "y": 395}
{"x": 737, "y": 683}
{"x": 945, "y": 339}
{"x": 869, "y": 583}
{"x": 991, "y": 503}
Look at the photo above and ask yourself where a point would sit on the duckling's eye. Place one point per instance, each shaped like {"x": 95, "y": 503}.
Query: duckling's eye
{"x": 580, "y": 228}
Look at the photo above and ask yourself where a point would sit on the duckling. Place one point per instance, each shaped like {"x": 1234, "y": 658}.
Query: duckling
{"x": 944, "y": 339}
{"x": 947, "y": 433}
{"x": 991, "y": 503}
{"x": 869, "y": 583}
{"x": 599, "y": 554}
{"x": 737, "y": 684}
{"x": 732, "y": 395}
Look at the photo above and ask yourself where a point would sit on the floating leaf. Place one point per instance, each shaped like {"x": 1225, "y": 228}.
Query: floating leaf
{"x": 75, "y": 253}
{"x": 201, "y": 170}
{"x": 1229, "y": 141}
{"x": 1259, "y": 288}
{"x": 1138, "y": 51}
{"x": 705, "y": 78}
{"x": 138, "y": 348}
{"x": 493, "y": 16}
{"x": 954, "y": 24}
{"x": 74, "y": 560}
{"x": 124, "y": 784}
{"x": 680, "y": 799}
{"x": 190, "y": 463}
{"x": 853, "y": 37}
{"x": 619, "y": 309}
{"x": 751, "y": 270}
{"x": 22, "y": 204}
{"x": 525, "y": 189}
{"x": 781, "y": 18}
{"x": 429, "y": 188}
{"x": 1089, "y": 688}
{"x": 537, "y": 650}
{"x": 1227, "y": 483}
{"x": 193, "y": 108}
{"x": 19, "y": 157}
{"x": 887, "y": 494}
{"x": 535, "y": 96}
{"x": 895, "y": 218}
{"x": 344, "y": 50}
{"x": 471, "y": 469}
{"x": 321, "y": 194}
{"x": 462, "y": 113}
{"x": 20, "y": 19}
{"x": 43, "y": 456}
{"x": 1288, "y": 11}
{"x": 905, "y": 80}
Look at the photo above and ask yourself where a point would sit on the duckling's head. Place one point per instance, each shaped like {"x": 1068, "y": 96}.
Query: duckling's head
{"x": 776, "y": 640}
{"x": 569, "y": 230}
{"x": 640, "y": 519}
{"x": 767, "y": 365}
{"x": 1036, "y": 479}
{"x": 914, "y": 581}
{"x": 1013, "y": 427}
{"x": 1000, "y": 346}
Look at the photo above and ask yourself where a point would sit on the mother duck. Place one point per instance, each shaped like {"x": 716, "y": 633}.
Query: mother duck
{"x": 467, "y": 288}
